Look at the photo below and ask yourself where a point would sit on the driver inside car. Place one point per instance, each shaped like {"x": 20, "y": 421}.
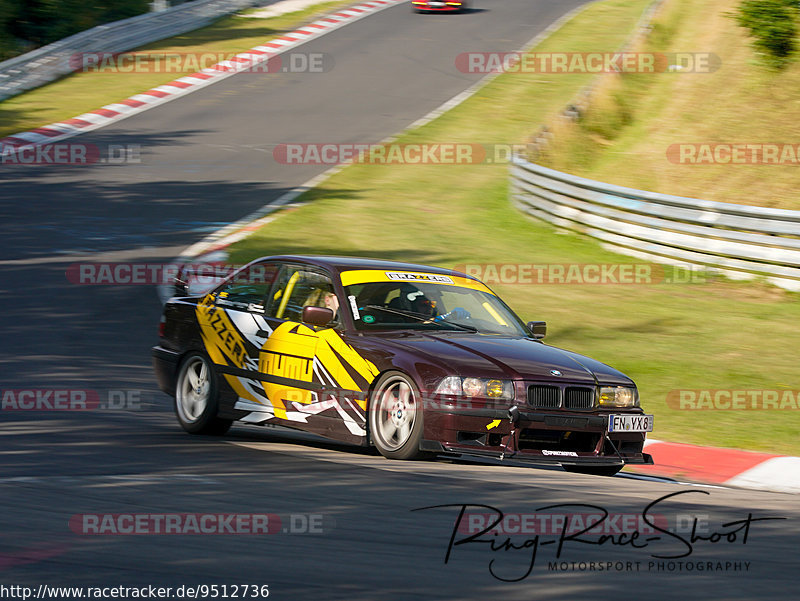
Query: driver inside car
{"x": 421, "y": 304}
{"x": 413, "y": 299}
{"x": 402, "y": 299}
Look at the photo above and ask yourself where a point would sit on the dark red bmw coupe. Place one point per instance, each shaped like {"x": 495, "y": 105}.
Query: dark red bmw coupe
{"x": 412, "y": 359}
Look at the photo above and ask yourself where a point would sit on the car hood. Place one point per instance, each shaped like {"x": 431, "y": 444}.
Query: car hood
{"x": 487, "y": 356}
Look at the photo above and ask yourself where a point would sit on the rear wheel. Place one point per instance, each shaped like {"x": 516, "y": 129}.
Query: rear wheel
{"x": 196, "y": 397}
{"x": 395, "y": 417}
{"x": 595, "y": 470}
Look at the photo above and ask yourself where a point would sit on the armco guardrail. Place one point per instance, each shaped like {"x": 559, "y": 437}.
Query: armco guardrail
{"x": 740, "y": 241}
{"x": 50, "y": 62}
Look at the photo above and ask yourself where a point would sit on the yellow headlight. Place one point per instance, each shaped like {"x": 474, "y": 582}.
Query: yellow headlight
{"x": 494, "y": 388}
{"x": 618, "y": 396}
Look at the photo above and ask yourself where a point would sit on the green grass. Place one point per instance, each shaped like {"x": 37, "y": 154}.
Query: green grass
{"x": 667, "y": 337}
{"x": 743, "y": 101}
{"x": 79, "y": 93}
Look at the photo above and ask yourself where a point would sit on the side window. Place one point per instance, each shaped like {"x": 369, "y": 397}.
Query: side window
{"x": 300, "y": 287}
{"x": 247, "y": 289}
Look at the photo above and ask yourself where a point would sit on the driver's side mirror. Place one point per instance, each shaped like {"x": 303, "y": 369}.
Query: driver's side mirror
{"x": 317, "y": 316}
{"x": 538, "y": 329}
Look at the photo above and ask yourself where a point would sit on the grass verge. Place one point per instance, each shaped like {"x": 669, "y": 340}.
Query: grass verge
{"x": 666, "y": 336}
{"x": 633, "y": 119}
{"x": 79, "y": 93}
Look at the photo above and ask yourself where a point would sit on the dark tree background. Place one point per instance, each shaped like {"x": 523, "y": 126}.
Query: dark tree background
{"x": 28, "y": 24}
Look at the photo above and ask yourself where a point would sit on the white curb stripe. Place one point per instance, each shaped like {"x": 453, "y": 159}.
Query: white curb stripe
{"x": 171, "y": 90}
{"x": 779, "y": 474}
{"x": 28, "y": 136}
{"x": 120, "y": 108}
{"x": 93, "y": 118}
{"x": 194, "y": 81}
{"x": 62, "y": 127}
{"x": 141, "y": 98}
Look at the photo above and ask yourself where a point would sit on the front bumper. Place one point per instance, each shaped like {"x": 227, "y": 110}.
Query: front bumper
{"x": 551, "y": 437}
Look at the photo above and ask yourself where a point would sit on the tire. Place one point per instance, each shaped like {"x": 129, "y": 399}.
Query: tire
{"x": 196, "y": 397}
{"x": 597, "y": 470}
{"x": 396, "y": 417}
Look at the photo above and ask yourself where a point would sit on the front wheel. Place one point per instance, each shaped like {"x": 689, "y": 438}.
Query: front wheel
{"x": 395, "y": 417}
{"x": 196, "y": 396}
{"x": 594, "y": 470}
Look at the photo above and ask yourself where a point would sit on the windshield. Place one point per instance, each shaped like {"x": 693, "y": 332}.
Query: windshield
{"x": 421, "y": 305}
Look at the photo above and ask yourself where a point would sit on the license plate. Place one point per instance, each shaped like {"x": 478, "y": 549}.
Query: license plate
{"x": 630, "y": 423}
{"x": 436, "y": 3}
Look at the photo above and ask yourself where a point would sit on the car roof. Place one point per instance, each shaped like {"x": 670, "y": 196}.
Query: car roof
{"x": 341, "y": 264}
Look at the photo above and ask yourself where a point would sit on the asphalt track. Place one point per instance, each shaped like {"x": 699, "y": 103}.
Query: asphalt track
{"x": 207, "y": 160}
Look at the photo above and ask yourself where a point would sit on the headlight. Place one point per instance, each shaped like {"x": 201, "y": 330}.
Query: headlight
{"x": 618, "y": 396}
{"x": 450, "y": 385}
{"x": 472, "y": 386}
{"x": 477, "y": 387}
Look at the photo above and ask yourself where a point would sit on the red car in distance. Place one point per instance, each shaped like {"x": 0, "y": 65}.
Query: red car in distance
{"x": 424, "y": 6}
